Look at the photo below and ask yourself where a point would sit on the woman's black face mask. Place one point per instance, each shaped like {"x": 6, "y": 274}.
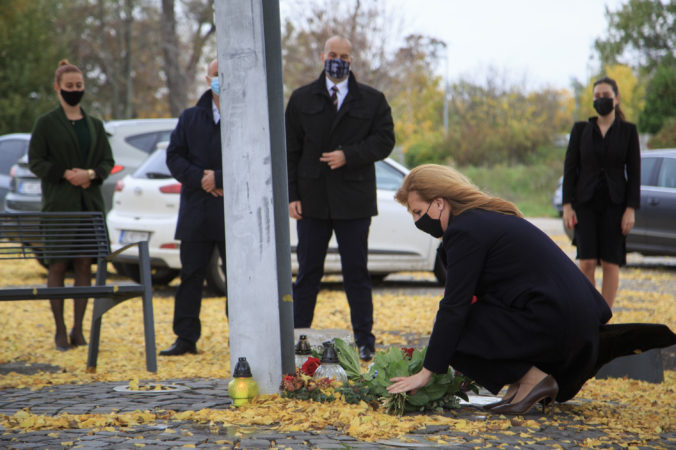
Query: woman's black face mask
{"x": 72, "y": 97}
{"x": 603, "y": 105}
{"x": 429, "y": 225}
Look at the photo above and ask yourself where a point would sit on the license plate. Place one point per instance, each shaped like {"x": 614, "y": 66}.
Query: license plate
{"x": 29, "y": 188}
{"x": 129, "y": 236}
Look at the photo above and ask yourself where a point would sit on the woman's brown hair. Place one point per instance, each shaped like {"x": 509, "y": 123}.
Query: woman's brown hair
{"x": 432, "y": 181}
{"x": 64, "y": 67}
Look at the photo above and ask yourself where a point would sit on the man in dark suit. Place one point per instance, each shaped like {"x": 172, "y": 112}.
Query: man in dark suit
{"x": 336, "y": 128}
{"x": 194, "y": 159}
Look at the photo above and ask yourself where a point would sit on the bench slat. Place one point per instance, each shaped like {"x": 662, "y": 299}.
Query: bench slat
{"x": 45, "y": 293}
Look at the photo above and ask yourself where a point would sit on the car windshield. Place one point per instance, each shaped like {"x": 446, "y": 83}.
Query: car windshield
{"x": 155, "y": 166}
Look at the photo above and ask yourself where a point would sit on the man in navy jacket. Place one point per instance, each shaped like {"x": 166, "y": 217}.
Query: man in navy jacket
{"x": 336, "y": 129}
{"x": 194, "y": 159}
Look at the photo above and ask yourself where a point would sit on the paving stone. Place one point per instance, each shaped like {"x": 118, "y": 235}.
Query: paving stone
{"x": 254, "y": 443}
{"x": 326, "y": 444}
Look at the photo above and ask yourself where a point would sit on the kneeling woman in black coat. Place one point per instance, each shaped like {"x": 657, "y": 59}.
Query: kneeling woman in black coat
{"x": 537, "y": 321}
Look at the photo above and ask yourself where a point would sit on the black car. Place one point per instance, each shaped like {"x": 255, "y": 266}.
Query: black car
{"x": 654, "y": 232}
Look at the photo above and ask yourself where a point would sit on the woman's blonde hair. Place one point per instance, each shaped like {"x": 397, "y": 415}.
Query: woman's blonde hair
{"x": 432, "y": 181}
{"x": 64, "y": 67}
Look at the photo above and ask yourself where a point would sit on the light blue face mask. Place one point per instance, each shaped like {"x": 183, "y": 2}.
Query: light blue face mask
{"x": 215, "y": 86}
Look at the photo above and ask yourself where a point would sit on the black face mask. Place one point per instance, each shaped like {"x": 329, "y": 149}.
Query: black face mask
{"x": 429, "y": 225}
{"x": 604, "y": 105}
{"x": 72, "y": 97}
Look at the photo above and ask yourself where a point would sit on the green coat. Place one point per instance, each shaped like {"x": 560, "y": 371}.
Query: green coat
{"x": 54, "y": 148}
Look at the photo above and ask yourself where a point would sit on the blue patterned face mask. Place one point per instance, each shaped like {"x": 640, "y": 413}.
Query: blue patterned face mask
{"x": 337, "y": 68}
{"x": 215, "y": 86}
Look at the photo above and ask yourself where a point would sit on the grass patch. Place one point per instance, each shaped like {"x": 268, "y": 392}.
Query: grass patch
{"x": 530, "y": 186}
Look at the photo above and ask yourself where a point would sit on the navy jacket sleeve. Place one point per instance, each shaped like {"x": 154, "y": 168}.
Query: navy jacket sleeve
{"x": 179, "y": 160}
{"x": 466, "y": 257}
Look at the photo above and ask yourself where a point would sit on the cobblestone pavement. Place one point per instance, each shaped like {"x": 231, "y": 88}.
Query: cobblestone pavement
{"x": 101, "y": 398}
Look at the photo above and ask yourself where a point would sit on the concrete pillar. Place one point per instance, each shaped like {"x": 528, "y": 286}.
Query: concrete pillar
{"x": 255, "y": 188}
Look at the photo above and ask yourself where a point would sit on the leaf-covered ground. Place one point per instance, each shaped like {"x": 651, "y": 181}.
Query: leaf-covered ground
{"x": 628, "y": 412}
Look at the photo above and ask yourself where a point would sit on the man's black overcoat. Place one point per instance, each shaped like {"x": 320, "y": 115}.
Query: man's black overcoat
{"x": 195, "y": 145}
{"x": 534, "y": 307}
{"x": 362, "y": 128}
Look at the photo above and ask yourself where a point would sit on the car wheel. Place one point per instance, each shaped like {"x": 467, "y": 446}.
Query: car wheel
{"x": 216, "y": 281}
{"x": 439, "y": 270}
{"x": 163, "y": 275}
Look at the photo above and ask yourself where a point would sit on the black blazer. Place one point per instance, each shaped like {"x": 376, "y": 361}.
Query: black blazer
{"x": 362, "y": 128}
{"x": 195, "y": 145}
{"x": 589, "y": 157}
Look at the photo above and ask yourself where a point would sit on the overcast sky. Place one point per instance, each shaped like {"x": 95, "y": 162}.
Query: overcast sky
{"x": 546, "y": 41}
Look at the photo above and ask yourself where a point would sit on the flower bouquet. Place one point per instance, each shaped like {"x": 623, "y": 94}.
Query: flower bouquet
{"x": 442, "y": 391}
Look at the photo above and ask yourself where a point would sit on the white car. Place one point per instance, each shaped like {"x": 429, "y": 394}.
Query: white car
{"x": 145, "y": 207}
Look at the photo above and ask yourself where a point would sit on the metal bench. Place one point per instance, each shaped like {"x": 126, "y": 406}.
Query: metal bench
{"x": 70, "y": 235}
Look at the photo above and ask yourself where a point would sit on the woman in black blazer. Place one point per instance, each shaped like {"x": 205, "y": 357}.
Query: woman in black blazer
{"x": 537, "y": 323}
{"x": 602, "y": 187}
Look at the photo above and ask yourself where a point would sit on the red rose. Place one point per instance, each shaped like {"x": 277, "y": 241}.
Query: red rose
{"x": 290, "y": 383}
{"x": 310, "y": 366}
{"x": 408, "y": 352}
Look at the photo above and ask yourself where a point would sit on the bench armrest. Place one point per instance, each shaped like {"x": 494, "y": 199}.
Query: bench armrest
{"x": 120, "y": 250}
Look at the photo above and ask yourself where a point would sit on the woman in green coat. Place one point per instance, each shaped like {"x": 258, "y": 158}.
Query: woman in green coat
{"x": 70, "y": 153}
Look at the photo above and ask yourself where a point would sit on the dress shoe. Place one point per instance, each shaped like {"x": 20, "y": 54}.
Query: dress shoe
{"x": 366, "y": 353}
{"x": 545, "y": 391}
{"x": 504, "y": 400}
{"x": 60, "y": 346}
{"x": 180, "y": 347}
{"x": 75, "y": 340}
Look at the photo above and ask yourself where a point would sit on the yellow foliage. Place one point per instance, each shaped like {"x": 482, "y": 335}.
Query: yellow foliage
{"x": 619, "y": 406}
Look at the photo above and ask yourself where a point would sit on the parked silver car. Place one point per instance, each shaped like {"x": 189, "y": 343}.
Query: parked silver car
{"x": 12, "y": 147}
{"x": 131, "y": 142}
{"x": 654, "y": 232}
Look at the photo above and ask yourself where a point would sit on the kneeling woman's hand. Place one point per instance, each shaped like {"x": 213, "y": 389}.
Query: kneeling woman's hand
{"x": 411, "y": 383}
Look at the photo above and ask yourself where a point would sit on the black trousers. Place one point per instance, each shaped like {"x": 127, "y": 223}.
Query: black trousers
{"x": 195, "y": 256}
{"x": 313, "y": 242}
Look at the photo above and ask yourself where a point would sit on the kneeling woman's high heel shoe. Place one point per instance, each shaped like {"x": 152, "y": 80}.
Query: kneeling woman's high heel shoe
{"x": 490, "y": 406}
{"x": 545, "y": 391}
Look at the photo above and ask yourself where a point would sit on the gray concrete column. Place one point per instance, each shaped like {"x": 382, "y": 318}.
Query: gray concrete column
{"x": 255, "y": 188}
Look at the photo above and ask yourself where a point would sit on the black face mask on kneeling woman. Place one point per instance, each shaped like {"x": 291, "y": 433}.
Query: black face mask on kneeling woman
{"x": 429, "y": 225}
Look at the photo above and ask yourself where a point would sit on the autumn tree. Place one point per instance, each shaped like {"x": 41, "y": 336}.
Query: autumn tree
{"x": 641, "y": 33}
{"x": 181, "y": 58}
{"x": 498, "y": 122}
{"x": 28, "y": 58}
{"x": 660, "y": 100}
